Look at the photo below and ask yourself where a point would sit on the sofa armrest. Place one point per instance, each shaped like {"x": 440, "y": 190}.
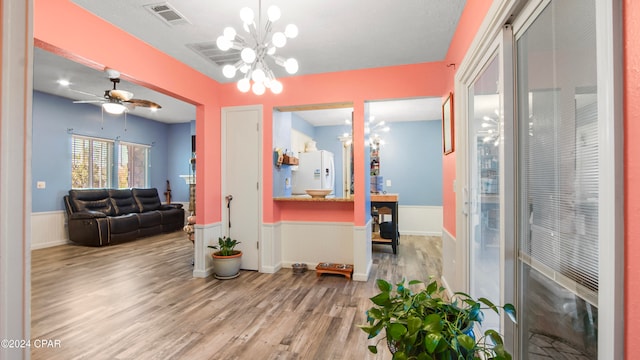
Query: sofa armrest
{"x": 170, "y": 206}
{"x": 88, "y": 214}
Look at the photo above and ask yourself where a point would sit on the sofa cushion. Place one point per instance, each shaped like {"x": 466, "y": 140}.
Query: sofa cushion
{"x": 147, "y": 199}
{"x": 172, "y": 219}
{"x": 149, "y": 219}
{"x": 123, "y": 202}
{"x": 91, "y": 199}
{"x": 123, "y": 224}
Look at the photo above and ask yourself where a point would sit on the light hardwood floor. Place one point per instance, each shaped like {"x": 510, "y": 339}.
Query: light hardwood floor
{"x": 138, "y": 300}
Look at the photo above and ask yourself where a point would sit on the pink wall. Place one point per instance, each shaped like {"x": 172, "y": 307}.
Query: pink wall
{"x": 350, "y": 86}
{"x": 83, "y": 36}
{"x": 631, "y": 42}
{"x": 68, "y": 30}
{"x": 470, "y": 21}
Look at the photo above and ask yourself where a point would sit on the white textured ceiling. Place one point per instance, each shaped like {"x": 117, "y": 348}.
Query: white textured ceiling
{"x": 334, "y": 35}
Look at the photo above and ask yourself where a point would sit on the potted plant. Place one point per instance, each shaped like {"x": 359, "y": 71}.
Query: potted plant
{"x": 226, "y": 261}
{"x": 425, "y": 325}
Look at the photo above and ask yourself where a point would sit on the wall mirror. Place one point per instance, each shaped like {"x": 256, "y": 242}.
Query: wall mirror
{"x": 312, "y": 149}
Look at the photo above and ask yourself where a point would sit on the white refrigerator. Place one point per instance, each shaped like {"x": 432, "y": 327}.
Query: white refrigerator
{"x": 315, "y": 171}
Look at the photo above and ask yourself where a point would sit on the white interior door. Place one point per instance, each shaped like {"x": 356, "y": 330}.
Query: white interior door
{"x": 241, "y": 179}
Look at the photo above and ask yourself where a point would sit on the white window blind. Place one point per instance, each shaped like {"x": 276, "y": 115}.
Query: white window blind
{"x": 91, "y": 162}
{"x": 559, "y": 150}
{"x": 133, "y": 164}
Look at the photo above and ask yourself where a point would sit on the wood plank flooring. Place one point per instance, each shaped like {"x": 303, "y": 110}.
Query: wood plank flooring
{"x": 138, "y": 300}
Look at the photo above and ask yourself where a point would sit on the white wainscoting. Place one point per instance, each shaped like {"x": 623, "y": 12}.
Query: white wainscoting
{"x": 420, "y": 220}
{"x": 449, "y": 254}
{"x": 362, "y": 259}
{"x": 270, "y": 249}
{"x": 205, "y": 235}
{"x": 48, "y": 228}
{"x": 315, "y": 242}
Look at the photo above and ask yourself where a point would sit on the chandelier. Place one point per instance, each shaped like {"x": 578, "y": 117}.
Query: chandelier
{"x": 257, "y": 76}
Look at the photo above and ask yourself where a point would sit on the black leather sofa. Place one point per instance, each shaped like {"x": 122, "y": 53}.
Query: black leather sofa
{"x": 98, "y": 217}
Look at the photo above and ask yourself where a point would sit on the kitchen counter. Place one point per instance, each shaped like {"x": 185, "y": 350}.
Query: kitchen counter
{"x": 310, "y": 199}
{"x": 384, "y": 197}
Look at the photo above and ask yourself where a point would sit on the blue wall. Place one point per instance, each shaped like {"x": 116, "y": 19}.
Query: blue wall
{"x": 179, "y": 154}
{"x": 55, "y": 119}
{"x": 302, "y": 125}
{"x": 412, "y": 159}
{"x": 281, "y": 140}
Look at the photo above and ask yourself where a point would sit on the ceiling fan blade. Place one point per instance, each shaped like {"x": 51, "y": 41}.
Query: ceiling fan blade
{"x": 84, "y": 93}
{"x": 144, "y": 103}
{"x": 121, "y": 95}
{"x": 88, "y": 101}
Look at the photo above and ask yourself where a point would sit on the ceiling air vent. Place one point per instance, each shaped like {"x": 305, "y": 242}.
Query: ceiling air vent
{"x": 209, "y": 50}
{"x": 167, "y": 14}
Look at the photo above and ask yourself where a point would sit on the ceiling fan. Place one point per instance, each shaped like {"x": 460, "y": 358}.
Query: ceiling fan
{"x": 115, "y": 101}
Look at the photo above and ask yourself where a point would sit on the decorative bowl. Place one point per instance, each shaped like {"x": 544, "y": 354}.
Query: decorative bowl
{"x": 318, "y": 193}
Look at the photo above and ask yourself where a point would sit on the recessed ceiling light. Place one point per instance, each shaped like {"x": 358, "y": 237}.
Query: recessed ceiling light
{"x": 63, "y": 82}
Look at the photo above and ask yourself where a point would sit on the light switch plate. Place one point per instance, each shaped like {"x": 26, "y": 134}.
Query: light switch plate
{"x": 388, "y": 182}
{"x": 41, "y": 185}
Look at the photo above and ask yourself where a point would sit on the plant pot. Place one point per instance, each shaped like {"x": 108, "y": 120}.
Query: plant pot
{"x": 227, "y": 267}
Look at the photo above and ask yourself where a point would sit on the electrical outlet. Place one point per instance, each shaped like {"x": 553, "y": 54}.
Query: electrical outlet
{"x": 41, "y": 185}
{"x": 388, "y": 182}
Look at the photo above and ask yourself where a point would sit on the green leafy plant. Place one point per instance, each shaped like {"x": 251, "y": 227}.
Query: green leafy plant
{"x": 226, "y": 246}
{"x": 426, "y": 325}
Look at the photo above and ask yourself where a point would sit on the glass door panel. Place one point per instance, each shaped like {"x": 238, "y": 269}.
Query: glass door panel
{"x": 558, "y": 183}
{"x": 484, "y": 191}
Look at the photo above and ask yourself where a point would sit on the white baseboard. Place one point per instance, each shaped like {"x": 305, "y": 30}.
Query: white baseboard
{"x": 363, "y": 276}
{"x": 48, "y": 228}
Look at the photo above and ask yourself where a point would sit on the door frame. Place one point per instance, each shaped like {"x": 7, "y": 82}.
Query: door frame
{"x": 223, "y": 166}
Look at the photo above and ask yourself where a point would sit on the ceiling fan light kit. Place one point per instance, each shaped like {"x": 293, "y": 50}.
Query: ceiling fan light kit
{"x": 114, "y": 108}
{"x": 253, "y": 53}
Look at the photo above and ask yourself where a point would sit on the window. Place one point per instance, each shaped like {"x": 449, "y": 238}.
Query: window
{"x": 91, "y": 162}
{"x": 133, "y": 161}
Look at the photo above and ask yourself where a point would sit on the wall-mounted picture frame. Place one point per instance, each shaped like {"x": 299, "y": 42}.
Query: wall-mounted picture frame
{"x": 447, "y": 125}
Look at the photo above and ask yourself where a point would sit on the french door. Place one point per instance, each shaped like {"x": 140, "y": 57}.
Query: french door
{"x": 490, "y": 156}
{"x": 484, "y": 186}
{"x": 541, "y": 199}
{"x": 558, "y": 177}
